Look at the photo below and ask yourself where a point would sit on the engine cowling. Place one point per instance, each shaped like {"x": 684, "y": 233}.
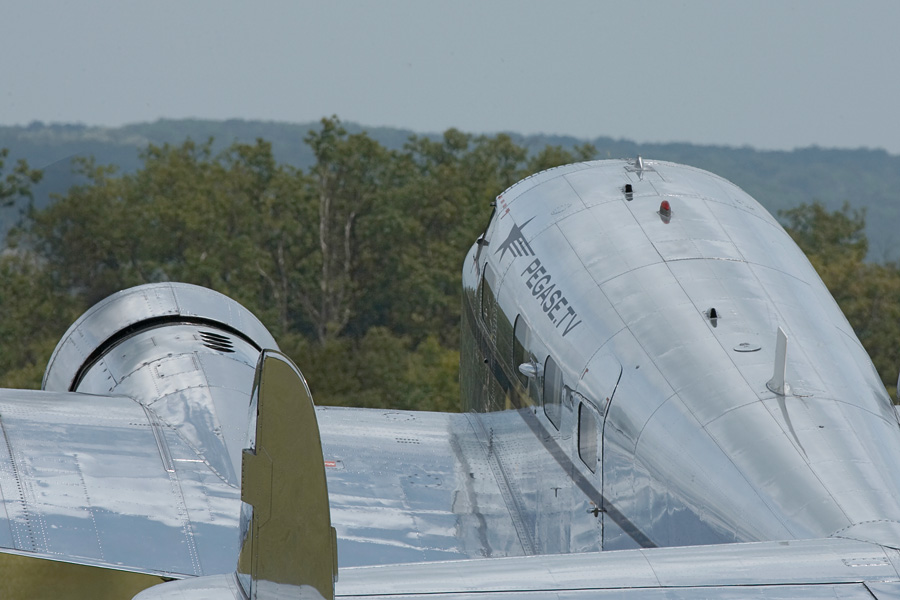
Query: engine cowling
{"x": 184, "y": 352}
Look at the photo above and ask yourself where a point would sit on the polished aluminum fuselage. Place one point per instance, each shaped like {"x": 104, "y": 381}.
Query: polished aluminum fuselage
{"x": 662, "y": 329}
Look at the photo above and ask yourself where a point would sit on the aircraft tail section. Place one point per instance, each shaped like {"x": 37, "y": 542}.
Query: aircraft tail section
{"x": 289, "y": 548}
{"x": 290, "y": 541}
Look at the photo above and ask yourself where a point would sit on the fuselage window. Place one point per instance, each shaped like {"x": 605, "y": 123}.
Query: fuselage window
{"x": 552, "y": 391}
{"x": 588, "y": 435}
{"x": 520, "y": 342}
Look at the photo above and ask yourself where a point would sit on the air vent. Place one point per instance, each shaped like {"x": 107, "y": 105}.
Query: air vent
{"x": 216, "y": 341}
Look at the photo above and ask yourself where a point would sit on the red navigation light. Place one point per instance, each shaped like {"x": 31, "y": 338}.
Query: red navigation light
{"x": 665, "y": 211}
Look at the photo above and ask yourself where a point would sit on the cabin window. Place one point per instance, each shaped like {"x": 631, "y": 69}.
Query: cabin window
{"x": 520, "y": 342}
{"x": 588, "y": 436}
{"x": 552, "y": 391}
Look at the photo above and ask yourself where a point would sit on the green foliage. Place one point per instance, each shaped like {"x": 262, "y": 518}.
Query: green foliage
{"x": 35, "y": 316}
{"x": 19, "y": 182}
{"x": 779, "y": 179}
{"x": 353, "y": 264}
{"x": 555, "y": 156}
{"x": 345, "y": 186}
{"x": 828, "y": 236}
{"x": 379, "y": 370}
{"x": 868, "y": 294}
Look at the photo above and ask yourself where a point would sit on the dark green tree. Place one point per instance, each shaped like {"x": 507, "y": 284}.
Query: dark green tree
{"x": 17, "y": 183}
{"x": 556, "y": 156}
{"x": 868, "y": 293}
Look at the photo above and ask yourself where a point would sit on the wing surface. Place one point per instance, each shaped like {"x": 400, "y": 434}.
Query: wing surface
{"x": 413, "y": 486}
{"x": 826, "y": 568}
{"x": 100, "y": 481}
{"x": 830, "y": 568}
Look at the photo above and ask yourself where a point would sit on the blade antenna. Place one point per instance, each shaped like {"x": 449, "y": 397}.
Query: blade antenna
{"x": 777, "y": 384}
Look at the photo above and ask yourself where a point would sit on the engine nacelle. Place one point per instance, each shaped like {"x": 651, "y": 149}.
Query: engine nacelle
{"x": 185, "y": 353}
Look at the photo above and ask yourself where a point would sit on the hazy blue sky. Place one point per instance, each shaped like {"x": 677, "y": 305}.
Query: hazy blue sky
{"x": 767, "y": 74}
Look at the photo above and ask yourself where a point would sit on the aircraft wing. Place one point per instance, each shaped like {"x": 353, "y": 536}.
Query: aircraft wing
{"x": 831, "y": 568}
{"x": 822, "y": 568}
{"x": 414, "y": 486}
{"x": 99, "y": 480}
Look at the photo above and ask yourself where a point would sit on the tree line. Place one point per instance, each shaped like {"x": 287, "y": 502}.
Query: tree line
{"x": 353, "y": 263}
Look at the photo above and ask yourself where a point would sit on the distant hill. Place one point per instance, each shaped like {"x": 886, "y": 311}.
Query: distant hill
{"x": 867, "y": 179}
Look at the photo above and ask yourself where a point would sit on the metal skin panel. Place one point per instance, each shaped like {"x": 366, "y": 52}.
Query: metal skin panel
{"x": 696, "y": 448}
{"x": 172, "y": 371}
{"x": 412, "y": 486}
{"x": 659, "y": 572}
{"x": 814, "y": 569}
{"x": 215, "y": 587}
{"x": 795, "y": 592}
{"x": 141, "y": 304}
{"x": 83, "y": 479}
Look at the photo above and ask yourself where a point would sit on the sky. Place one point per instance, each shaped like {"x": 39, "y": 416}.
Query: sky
{"x": 765, "y": 74}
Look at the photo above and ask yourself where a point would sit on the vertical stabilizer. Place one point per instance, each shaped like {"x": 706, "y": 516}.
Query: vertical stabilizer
{"x": 290, "y": 542}
{"x": 289, "y": 548}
